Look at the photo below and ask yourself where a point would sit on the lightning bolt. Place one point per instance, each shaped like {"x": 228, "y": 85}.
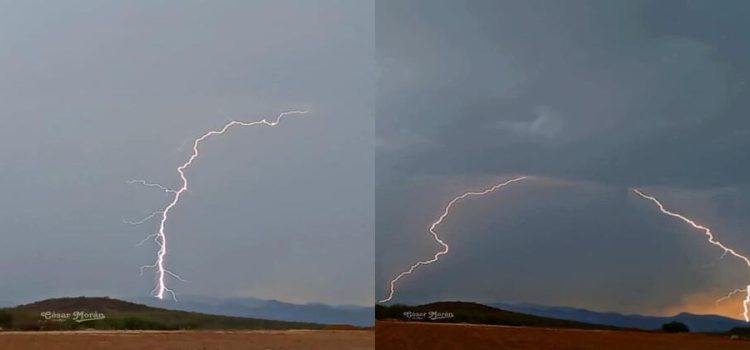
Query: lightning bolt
{"x": 445, "y": 247}
{"x": 160, "y": 237}
{"x": 730, "y": 295}
{"x": 714, "y": 241}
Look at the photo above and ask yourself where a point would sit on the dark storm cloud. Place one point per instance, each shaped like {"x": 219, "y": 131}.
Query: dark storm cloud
{"x": 599, "y": 95}
{"x": 626, "y": 92}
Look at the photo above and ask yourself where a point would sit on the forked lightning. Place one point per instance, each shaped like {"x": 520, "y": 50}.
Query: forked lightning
{"x": 714, "y": 241}
{"x": 160, "y": 237}
{"x": 445, "y": 247}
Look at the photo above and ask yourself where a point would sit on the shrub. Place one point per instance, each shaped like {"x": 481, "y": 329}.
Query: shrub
{"x": 743, "y": 331}
{"x": 675, "y": 327}
{"x": 6, "y": 320}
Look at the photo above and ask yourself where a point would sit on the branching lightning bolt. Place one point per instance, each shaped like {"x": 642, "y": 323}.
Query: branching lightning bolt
{"x": 148, "y": 184}
{"x": 445, "y": 247}
{"x": 731, "y": 294}
{"x": 712, "y": 240}
{"x": 160, "y": 237}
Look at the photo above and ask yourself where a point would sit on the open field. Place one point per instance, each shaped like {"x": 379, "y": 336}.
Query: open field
{"x": 395, "y": 335}
{"x": 189, "y": 340}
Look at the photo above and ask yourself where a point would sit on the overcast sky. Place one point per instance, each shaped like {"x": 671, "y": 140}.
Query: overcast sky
{"x": 95, "y": 93}
{"x": 590, "y": 97}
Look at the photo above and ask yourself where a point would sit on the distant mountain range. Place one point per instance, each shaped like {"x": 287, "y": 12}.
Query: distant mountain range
{"x": 268, "y": 309}
{"x": 696, "y": 323}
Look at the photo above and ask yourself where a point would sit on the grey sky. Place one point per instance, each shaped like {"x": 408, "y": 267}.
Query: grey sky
{"x": 99, "y": 92}
{"x": 592, "y": 97}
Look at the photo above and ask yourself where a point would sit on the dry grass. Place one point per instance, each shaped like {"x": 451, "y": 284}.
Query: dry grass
{"x": 422, "y": 336}
{"x": 189, "y": 340}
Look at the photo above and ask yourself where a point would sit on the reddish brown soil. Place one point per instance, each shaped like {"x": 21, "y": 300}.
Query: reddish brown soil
{"x": 423, "y": 336}
{"x": 189, "y": 340}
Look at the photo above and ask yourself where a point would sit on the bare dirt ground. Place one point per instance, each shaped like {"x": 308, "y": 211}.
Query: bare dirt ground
{"x": 189, "y": 340}
{"x": 423, "y": 336}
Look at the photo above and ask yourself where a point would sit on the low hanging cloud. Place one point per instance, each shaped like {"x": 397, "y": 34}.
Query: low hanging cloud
{"x": 546, "y": 124}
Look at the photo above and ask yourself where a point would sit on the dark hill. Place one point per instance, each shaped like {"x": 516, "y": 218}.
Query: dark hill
{"x": 84, "y": 303}
{"x": 118, "y": 314}
{"x": 467, "y": 312}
